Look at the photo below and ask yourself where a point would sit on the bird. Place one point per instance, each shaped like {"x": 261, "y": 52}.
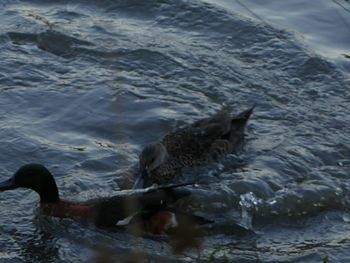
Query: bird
{"x": 196, "y": 144}
{"x": 143, "y": 212}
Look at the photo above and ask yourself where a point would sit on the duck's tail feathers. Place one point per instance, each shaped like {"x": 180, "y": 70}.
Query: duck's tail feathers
{"x": 245, "y": 114}
{"x": 239, "y": 122}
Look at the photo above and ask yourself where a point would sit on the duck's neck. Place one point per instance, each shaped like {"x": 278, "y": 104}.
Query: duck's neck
{"x": 49, "y": 194}
{"x": 67, "y": 209}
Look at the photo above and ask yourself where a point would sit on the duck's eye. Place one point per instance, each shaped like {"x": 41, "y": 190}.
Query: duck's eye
{"x": 153, "y": 159}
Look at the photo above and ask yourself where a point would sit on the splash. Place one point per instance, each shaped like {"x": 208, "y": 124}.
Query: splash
{"x": 249, "y": 204}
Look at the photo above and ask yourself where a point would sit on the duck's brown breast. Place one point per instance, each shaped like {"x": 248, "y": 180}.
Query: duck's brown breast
{"x": 65, "y": 209}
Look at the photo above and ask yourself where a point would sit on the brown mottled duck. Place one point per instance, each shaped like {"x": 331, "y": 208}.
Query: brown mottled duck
{"x": 196, "y": 144}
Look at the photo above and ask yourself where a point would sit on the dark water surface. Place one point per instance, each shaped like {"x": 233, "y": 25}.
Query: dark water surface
{"x": 323, "y": 26}
{"x": 84, "y": 85}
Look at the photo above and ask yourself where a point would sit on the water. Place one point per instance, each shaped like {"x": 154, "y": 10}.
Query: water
{"x": 86, "y": 84}
{"x": 323, "y": 26}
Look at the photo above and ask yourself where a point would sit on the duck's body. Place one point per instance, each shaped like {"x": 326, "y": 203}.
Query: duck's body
{"x": 196, "y": 144}
{"x": 146, "y": 210}
{"x": 112, "y": 215}
{"x": 68, "y": 209}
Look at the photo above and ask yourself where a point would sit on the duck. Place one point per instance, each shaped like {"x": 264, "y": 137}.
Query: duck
{"x": 144, "y": 212}
{"x": 196, "y": 144}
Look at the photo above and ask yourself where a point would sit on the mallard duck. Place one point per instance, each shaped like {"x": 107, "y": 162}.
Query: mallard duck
{"x": 196, "y": 144}
{"x": 146, "y": 210}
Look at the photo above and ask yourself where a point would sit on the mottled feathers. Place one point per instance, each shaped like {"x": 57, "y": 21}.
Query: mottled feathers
{"x": 199, "y": 143}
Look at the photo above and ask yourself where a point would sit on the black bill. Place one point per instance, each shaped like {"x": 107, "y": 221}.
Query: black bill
{"x": 142, "y": 181}
{"x": 8, "y": 185}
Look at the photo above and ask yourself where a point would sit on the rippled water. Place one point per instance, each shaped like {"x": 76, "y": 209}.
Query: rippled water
{"x": 86, "y": 84}
{"x": 323, "y": 26}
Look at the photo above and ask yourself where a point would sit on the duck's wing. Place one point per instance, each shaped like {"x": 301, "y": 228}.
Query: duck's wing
{"x": 197, "y": 137}
{"x": 220, "y": 117}
{"x": 207, "y": 139}
{"x": 212, "y": 128}
{"x": 110, "y": 211}
{"x": 161, "y": 220}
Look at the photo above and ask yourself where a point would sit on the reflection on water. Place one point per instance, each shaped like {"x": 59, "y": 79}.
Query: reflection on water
{"x": 40, "y": 247}
{"x": 86, "y": 84}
